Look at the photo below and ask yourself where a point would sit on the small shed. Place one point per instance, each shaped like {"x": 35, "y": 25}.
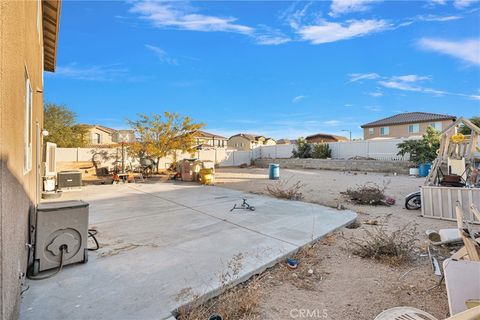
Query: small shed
{"x": 453, "y": 177}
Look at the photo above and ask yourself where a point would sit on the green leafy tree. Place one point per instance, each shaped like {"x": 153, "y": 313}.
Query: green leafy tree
{"x": 465, "y": 130}
{"x": 421, "y": 151}
{"x": 303, "y": 149}
{"x": 160, "y": 135}
{"x": 321, "y": 151}
{"x": 60, "y": 122}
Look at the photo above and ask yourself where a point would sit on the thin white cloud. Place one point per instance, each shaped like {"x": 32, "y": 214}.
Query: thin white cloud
{"x": 363, "y": 76}
{"x": 432, "y": 17}
{"x": 298, "y": 99}
{"x": 339, "y": 7}
{"x": 326, "y": 32}
{"x": 348, "y": 105}
{"x": 269, "y": 36}
{"x": 399, "y": 85}
{"x": 332, "y": 123}
{"x": 462, "y": 4}
{"x": 162, "y": 55}
{"x": 373, "y": 108}
{"x": 411, "y": 78}
{"x": 439, "y": 2}
{"x": 91, "y": 73}
{"x": 467, "y": 50}
{"x": 411, "y": 83}
{"x": 180, "y": 16}
{"x": 293, "y": 16}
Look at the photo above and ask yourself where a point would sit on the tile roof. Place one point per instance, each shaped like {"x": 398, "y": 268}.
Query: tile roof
{"x": 409, "y": 117}
{"x": 200, "y": 133}
{"x": 251, "y": 137}
{"x": 327, "y": 135}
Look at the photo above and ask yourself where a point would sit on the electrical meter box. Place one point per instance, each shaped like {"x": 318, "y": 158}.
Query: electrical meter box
{"x": 60, "y": 226}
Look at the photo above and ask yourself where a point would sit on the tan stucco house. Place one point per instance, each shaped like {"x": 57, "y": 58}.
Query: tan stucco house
{"x": 205, "y": 139}
{"x": 101, "y": 135}
{"x": 28, "y": 45}
{"x": 324, "y": 137}
{"x": 405, "y": 125}
{"x": 245, "y": 141}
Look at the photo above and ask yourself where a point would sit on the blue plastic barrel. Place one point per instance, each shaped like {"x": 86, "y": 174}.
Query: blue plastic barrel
{"x": 274, "y": 171}
{"x": 424, "y": 169}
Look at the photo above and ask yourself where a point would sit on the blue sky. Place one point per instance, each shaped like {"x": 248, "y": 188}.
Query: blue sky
{"x": 277, "y": 68}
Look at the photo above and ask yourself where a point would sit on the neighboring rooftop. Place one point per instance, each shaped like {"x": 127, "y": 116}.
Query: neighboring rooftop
{"x": 250, "y": 136}
{"x": 409, "y": 117}
{"x": 327, "y": 136}
{"x": 205, "y": 134}
{"x": 103, "y": 128}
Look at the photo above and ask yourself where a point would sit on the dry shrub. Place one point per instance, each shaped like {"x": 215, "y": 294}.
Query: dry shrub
{"x": 239, "y": 302}
{"x": 369, "y": 194}
{"x": 236, "y": 303}
{"x": 393, "y": 247}
{"x": 283, "y": 190}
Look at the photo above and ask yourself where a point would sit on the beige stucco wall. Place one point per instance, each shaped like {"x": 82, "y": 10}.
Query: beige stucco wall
{"x": 269, "y": 142}
{"x": 20, "y": 50}
{"x": 236, "y": 143}
{"x": 401, "y": 131}
{"x": 105, "y": 137}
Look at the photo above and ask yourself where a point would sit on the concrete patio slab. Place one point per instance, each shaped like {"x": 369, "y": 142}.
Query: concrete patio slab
{"x": 161, "y": 240}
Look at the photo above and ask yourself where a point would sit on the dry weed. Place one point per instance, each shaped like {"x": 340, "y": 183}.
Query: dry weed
{"x": 236, "y": 303}
{"x": 307, "y": 274}
{"x": 392, "y": 247}
{"x": 283, "y": 190}
{"x": 369, "y": 194}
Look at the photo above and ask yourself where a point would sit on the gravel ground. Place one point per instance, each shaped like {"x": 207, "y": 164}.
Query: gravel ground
{"x": 348, "y": 287}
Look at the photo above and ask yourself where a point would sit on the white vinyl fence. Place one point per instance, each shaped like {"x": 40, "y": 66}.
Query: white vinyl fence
{"x": 377, "y": 149}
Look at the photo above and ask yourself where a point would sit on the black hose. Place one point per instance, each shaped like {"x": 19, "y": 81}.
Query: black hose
{"x": 91, "y": 234}
{"x": 63, "y": 248}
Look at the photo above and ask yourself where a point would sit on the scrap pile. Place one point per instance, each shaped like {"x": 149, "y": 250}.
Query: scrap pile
{"x": 454, "y": 173}
{"x": 462, "y": 270}
{"x": 196, "y": 170}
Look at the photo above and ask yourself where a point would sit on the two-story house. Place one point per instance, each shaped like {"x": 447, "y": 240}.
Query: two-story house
{"x": 101, "y": 135}
{"x": 205, "y": 139}
{"x": 406, "y": 125}
{"x": 245, "y": 141}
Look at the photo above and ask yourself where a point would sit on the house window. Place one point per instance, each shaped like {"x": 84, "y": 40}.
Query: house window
{"x": 371, "y": 131}
{"x": 96, "y": 138}
{"x": 27, "y": 142}
{"x": 384, "y": 131}
{"x": 414, "y": 128}
{"x": 436, "y": 125}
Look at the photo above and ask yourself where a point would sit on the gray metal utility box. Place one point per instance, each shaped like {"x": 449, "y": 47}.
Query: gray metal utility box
{"x": 69, "y": 180}
{"x": 60, "y": 226}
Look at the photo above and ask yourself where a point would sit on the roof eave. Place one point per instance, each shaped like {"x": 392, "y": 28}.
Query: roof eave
{"x": 51, "y": 23}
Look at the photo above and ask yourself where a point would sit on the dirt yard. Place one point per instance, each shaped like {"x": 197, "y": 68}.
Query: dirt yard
{"x": 333, "y": 283}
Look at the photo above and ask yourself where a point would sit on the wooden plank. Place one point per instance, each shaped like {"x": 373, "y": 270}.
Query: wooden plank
{"x": 471, "y": 246}
{"x": 461, "y": 253}
{"x": 474, "y": 210}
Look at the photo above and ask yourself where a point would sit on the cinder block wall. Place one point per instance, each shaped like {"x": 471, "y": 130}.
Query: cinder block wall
{"x": 400, "y": 167}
